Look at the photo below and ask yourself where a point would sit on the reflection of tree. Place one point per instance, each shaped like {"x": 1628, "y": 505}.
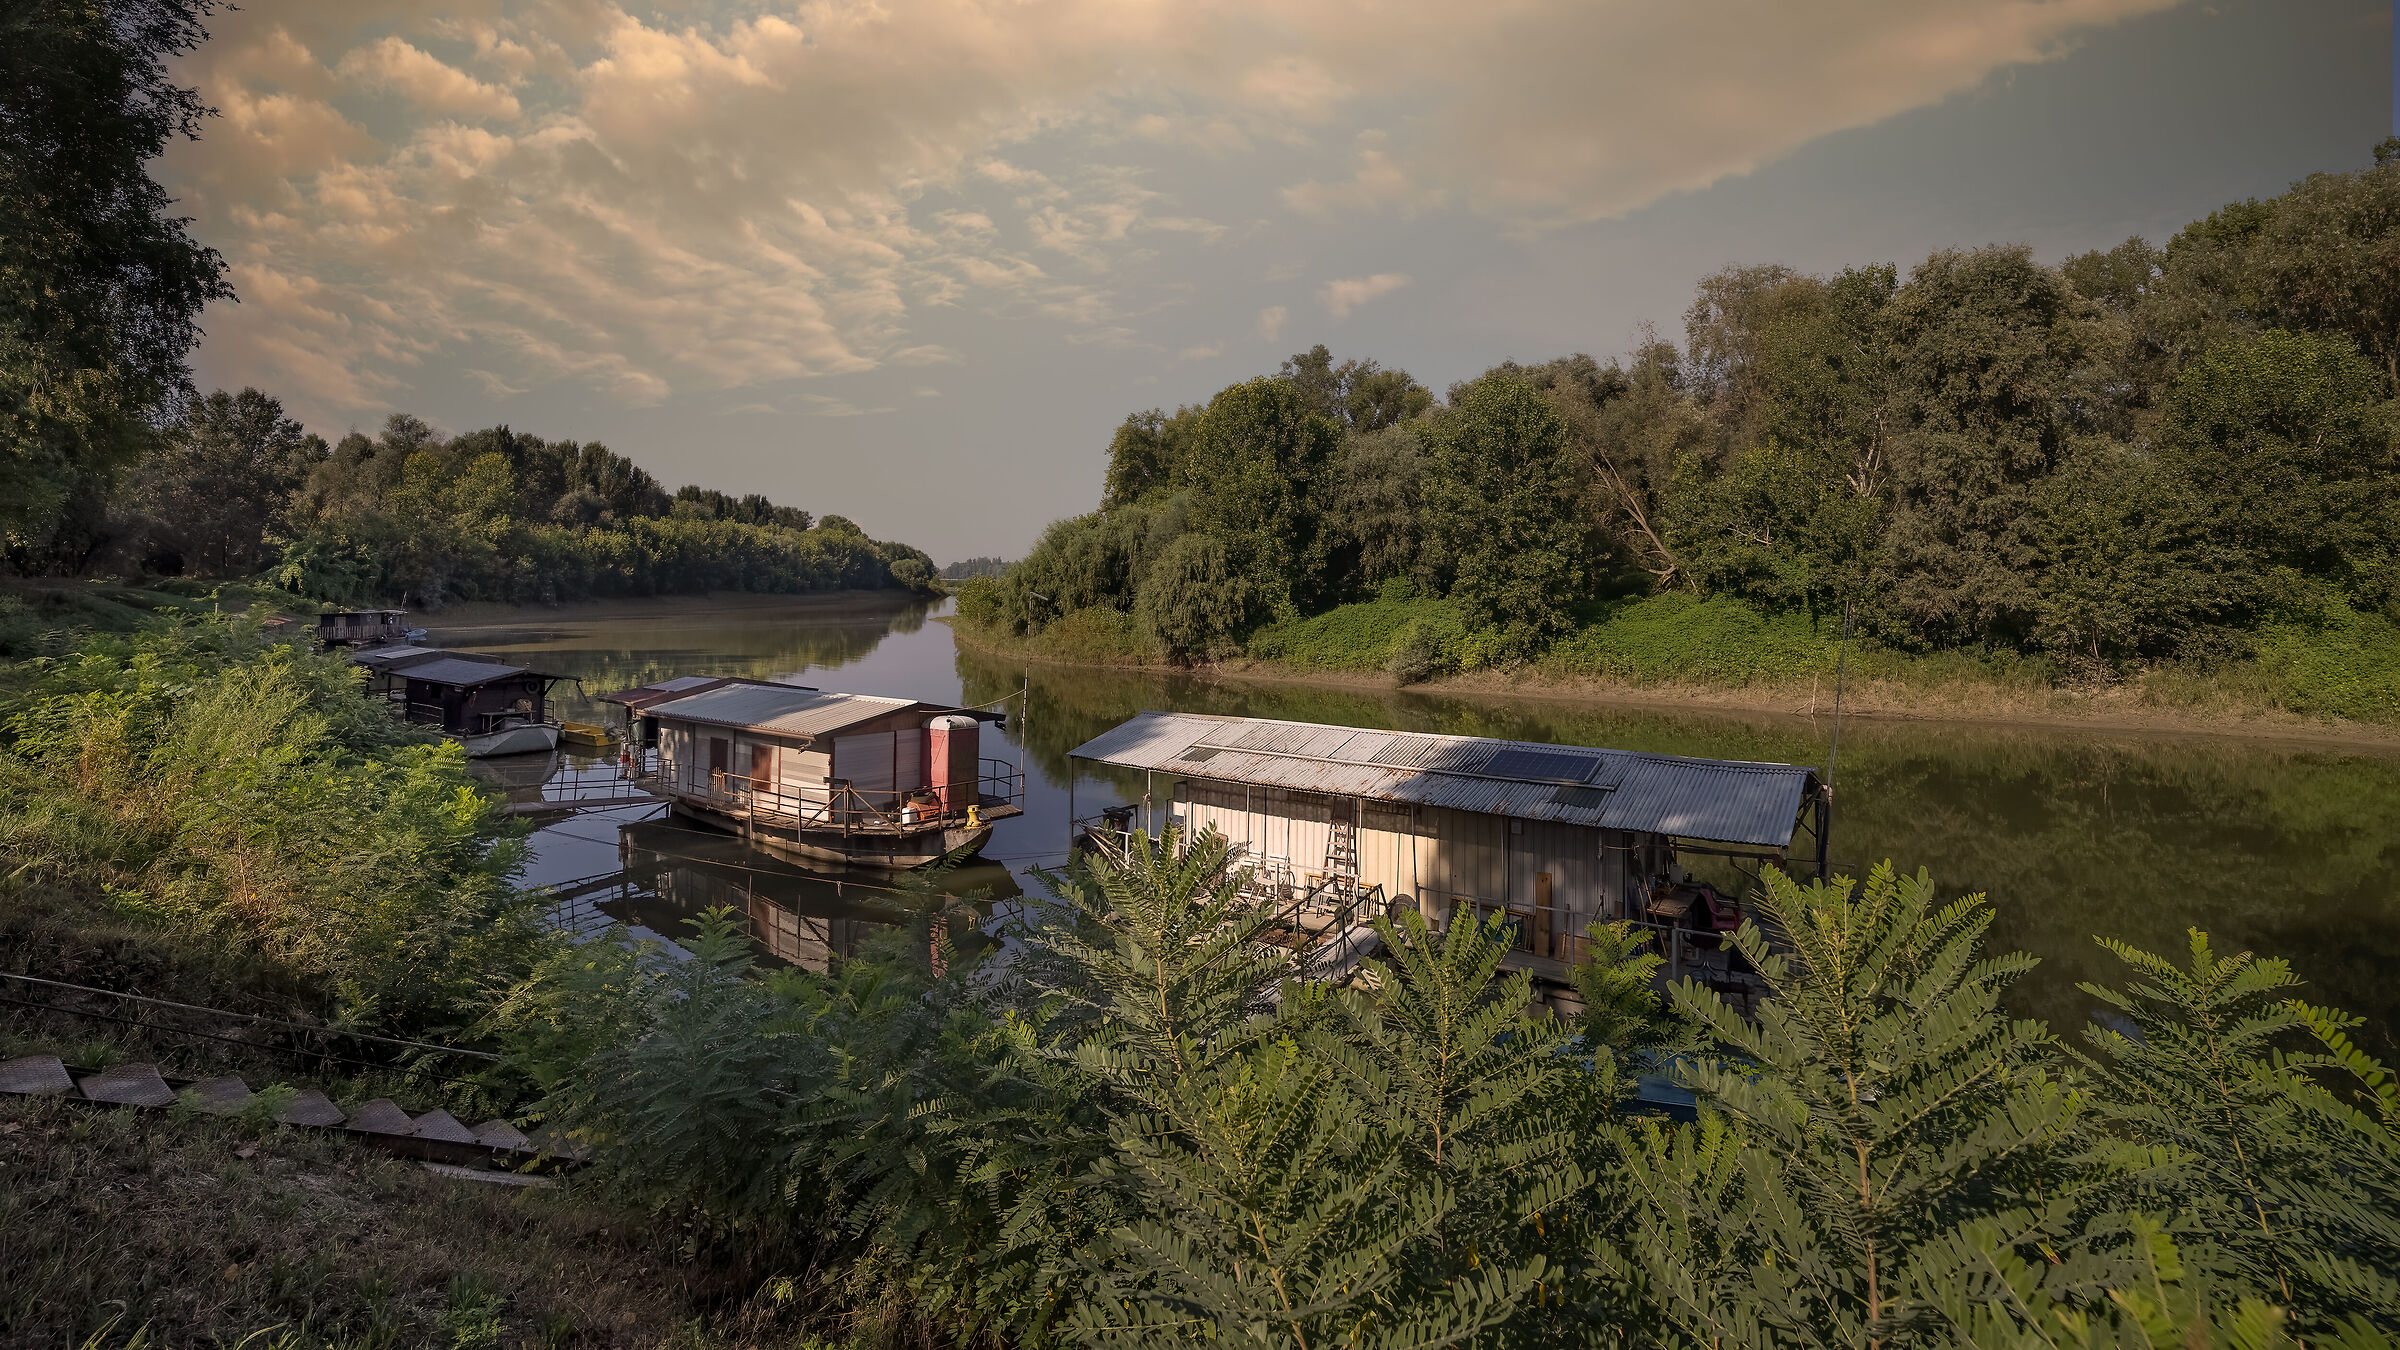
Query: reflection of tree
{"x": 2286, "y": 851}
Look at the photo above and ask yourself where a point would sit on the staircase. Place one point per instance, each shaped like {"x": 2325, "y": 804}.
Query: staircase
{"x": 493, "y": 1151}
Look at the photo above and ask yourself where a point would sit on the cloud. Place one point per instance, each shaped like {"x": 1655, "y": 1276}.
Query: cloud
{"x": 826, "y": 405}
{"x": 1270, "y": 322}
{"x": 640, "y": 200}
{"x": 1340, "y": 297}
{"x": 394, "y": 65}
{"x": 1201, "y": 353}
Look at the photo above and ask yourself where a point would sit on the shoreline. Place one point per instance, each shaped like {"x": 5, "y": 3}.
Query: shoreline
{"x": 484, "y": 615}
{"x": 1872, "y": 700}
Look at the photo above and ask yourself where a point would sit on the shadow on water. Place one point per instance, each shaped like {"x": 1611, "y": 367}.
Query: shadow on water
{"x": 2284, "y": 850}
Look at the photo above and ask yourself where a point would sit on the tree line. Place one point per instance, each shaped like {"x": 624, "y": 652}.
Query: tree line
{"x": 1139, "y": 1122}
{"x": 2141, "y": 453}
{"x": 233, "y": 487}
{"x": 109, "y": 458}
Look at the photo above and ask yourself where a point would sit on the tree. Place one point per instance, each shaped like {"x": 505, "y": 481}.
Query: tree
{"x": 218, "y": 482}
{"x": 2131, "y": 562}
{"x": 2215, "y": 1117}
{"x": 100, "y": 287}
{"x": 1260, "y": 466}
{"x": 1987, "y": 345}
{"x": 1192, "y": 601}
{"x": 2328, "y": 258}
{"x": 2288, "y": 440}
{"x": 1362, "y": 396}
{"x": 1880, "y": 1124}
{"x": 1500, "y": 477}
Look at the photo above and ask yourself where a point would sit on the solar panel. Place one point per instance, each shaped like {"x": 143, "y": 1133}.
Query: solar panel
{"x": 1542, "y": 765}
{"x": 1581, "y": 798}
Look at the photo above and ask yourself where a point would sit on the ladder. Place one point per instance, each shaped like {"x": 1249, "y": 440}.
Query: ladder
{"x": 1341, "y": 850}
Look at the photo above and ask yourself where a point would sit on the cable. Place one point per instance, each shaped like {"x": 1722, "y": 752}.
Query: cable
{"x": 254, "y": 1017}
{"x": 235, "y": 1040}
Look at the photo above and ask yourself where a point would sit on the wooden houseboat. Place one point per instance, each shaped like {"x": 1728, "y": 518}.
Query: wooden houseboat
{"x": 486, "y": 705}
{"x": 879, "y": 782}
{"x": 365, "y": 627}
{"x": 1333, "y": 820}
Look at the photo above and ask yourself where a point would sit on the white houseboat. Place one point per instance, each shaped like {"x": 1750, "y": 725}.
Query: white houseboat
{"x": 881, "y": 782}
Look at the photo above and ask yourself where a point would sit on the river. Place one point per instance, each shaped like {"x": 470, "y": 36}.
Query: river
{"x": 2285, "y": 850}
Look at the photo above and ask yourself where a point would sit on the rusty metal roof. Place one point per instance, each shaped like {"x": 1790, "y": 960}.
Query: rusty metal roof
{"x": 1720, "y": 800}
{"x": 785, "y": 709}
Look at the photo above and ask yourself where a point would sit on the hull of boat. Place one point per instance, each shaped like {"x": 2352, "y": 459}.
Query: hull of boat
{"x": 857, "y": 849}
{"x": 532, "y": 739}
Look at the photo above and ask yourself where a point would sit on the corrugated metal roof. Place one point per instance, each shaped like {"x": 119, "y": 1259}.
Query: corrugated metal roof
{"x": 786, "y": 709}
{"x": 460, "y": 670}
{"x": 391, "y": 656}
{"x": 1725, "y": 801}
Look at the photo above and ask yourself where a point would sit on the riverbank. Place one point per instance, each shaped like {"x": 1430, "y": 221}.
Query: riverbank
{"x": 473, "y": 616}
{"x": 1877, "y": 686}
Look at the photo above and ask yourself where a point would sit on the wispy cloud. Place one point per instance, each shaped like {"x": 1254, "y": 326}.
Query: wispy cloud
{"x": 1340, "y": 297}
{"x": 1270, "y": 322}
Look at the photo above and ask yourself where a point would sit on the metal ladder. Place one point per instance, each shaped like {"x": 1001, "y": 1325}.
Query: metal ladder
{"x": 1341, "y": 850}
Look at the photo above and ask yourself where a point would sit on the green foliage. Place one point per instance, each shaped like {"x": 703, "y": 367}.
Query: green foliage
{"x": 1881, "y": 1120}
{"x": 101, "y": 286}
{"x": 2334, "y": 661}
{"x": 1192, "y": 603}
{"x": 1499, "y": 468}
{"x": 2288, "y": 1188}
{"x": 246, "y": 794}
{"x": 1681, "y": 636}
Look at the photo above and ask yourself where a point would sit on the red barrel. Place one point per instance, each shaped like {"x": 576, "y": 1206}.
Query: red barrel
{"x": 951, "y": 760}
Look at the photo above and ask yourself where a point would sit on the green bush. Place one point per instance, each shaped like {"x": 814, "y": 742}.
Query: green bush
{"x": 1678, "y": 636}
{"x": 2343, "y": 664}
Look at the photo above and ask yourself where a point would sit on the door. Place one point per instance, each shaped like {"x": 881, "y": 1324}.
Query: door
{"x": 720, "y": 758}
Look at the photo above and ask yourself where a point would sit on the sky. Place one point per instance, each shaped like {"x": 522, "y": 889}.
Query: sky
{"x": 913, "y": 260}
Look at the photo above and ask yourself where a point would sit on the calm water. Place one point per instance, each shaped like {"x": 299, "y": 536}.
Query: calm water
{"x": 2286, "y": 850}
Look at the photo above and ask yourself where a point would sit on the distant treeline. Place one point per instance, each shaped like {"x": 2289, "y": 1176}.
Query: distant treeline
{"x": 234, "y": 487}
{"x": 975, "y": 567}
{"x": 2142, "y": 453}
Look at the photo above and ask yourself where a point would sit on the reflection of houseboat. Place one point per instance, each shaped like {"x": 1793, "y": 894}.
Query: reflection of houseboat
{"x": 486, "y": 705}
{"x": 365, "y": 627}
{"x": 881, "y": 782}
{"x": 1343, "y": 819}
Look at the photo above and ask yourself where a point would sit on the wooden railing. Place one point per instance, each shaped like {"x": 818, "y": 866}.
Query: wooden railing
{"x": 842, "y": 807}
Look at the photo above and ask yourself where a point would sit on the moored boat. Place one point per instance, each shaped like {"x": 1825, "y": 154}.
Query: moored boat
{"x": 487, "y": 705}
{"x": 853, "y": 778}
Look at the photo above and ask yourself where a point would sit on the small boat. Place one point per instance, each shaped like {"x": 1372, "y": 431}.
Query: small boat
{"x": 510, "y": 736}
{"x": 802, "y": 773}
{"x": 584, "y": 733}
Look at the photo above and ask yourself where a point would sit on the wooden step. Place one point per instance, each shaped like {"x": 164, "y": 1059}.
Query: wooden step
{"x": 128, "y": 1085}
{"x": 36, "y": 1076}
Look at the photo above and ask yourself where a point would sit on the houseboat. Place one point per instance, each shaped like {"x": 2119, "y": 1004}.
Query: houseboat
{"x": 365, "y": 627}
{"x": 853, "y": 778}
{"x": 488, "y": 706}
{"x": 1333, "y": 822}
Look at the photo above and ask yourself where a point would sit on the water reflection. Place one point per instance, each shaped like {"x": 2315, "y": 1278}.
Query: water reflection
{"x": 2287, "y": 850}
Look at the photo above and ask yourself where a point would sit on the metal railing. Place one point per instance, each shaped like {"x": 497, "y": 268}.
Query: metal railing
{"x": 842, "y": 807}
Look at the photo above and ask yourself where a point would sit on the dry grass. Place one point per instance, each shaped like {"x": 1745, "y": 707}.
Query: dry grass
{"x": 205, "y": 1232}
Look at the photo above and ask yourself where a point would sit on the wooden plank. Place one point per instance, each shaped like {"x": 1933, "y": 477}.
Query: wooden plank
{"x": 500, "y": 1134}
{"x": 440, "y": 1124}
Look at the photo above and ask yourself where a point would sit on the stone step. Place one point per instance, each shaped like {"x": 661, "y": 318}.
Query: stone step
{"x": 310, "y": 1107}
{"x": 220, "y": 1096}
{"x": 381, "y": 1116}
{"x": 128, "y": 1085}
{"x": 501, "y": 1134}
{"x": 488, "y": 1178}
{"x": 36, "y": 1076}
{"x": 440, "y": 1124}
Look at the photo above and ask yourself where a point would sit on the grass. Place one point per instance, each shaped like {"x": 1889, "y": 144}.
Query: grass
{"x": 1356, "y": 637}
{"x": 204, "y": 1232}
